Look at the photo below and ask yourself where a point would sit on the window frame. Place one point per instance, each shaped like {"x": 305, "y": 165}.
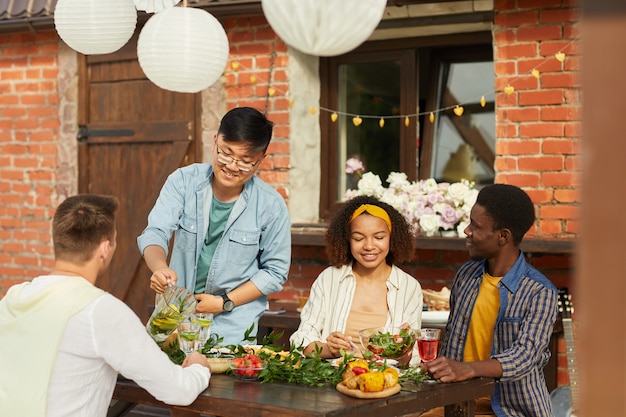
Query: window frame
{"x": 473, "y": 53}
{"x": 406, "y": 51}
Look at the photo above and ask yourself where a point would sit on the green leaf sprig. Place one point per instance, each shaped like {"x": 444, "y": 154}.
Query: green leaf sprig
{"x": 413, "y": 375}
{"x": 296, "y": 368}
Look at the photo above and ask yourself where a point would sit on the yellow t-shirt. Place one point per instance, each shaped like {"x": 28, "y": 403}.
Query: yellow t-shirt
{"x": 480, "y": 334}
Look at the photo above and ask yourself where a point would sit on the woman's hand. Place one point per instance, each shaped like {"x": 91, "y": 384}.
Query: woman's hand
{"x": 337, "y": 341}
{"x": 162, "y": 278}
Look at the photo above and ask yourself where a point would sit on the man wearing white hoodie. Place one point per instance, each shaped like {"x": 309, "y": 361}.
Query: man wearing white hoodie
{"x": 64, "y": 341}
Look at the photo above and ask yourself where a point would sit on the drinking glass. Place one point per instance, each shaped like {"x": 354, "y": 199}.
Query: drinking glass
{"x": 189, "y": 336}
{"x": 205, "y": 320}
{"x": 428, "y": 344}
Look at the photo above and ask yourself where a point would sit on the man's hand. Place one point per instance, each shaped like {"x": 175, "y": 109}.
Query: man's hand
{"x": 195, "y": 357}
{"x": 209, "y": 303}
{"x": 162, "y": 278}
{"x": 448, "y": 370}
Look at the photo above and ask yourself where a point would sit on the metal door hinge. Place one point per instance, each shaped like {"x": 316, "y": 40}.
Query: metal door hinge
{"x": 84, "y": 132}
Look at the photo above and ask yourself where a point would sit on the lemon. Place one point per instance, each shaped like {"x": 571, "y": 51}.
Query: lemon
{"x": 203, "y": 322}
{"x": 188, "y": 336}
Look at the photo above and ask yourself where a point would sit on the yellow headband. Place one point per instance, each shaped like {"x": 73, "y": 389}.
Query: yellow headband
{"x": 374, "y": 211}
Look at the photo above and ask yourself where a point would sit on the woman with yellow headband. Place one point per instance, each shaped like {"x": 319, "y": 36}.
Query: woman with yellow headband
{"x": 363, "y": 288}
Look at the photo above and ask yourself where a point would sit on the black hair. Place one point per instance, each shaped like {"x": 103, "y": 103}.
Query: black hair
{"x": 509, "y": 207}
{"x": 247, "y": 125}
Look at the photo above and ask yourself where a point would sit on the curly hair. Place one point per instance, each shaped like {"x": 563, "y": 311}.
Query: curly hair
{"x": 337, "y": 238}
{"x": 509, "y": 207}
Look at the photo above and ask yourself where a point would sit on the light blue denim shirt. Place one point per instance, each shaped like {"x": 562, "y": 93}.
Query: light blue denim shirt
{"x": 255, "y": 246}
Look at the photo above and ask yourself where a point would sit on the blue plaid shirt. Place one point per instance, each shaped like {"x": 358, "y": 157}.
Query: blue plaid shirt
{"x": 528, "y": 310}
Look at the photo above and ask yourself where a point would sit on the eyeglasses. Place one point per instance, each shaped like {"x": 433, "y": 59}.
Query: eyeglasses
{"x": 226, "y": 159}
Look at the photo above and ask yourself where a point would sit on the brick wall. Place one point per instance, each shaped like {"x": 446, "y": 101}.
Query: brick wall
{"x": 538, "y": 125}
{"x": 257, "y": 77}
{"x": 28, "y": 153}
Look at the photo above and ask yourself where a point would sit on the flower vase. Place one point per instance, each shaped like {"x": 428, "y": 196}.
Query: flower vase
{"x": 449, "y": 233}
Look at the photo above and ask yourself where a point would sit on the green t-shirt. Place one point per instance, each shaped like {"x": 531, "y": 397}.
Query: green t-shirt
{"x": 218, "y": 215}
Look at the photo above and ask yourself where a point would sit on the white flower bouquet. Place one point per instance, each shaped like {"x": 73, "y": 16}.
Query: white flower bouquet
{"x": 431, "y": 208}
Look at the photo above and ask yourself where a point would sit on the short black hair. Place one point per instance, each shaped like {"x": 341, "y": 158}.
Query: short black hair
{"x": 247, "y": 125}
{"x": 337, "y": 238}
{"x": 509, "y": 207}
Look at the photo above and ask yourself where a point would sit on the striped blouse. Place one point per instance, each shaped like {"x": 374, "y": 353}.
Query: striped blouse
{"x": 528, "y": 310}
{"x": 330, "y": 301}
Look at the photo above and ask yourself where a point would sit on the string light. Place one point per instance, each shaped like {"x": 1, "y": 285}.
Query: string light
{"x": 458, "y": 109}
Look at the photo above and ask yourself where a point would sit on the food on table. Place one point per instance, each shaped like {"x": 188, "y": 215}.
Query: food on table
{"x": 262, "y": 350}
{"x": 390, "y": 343}
{"x": 359, "y": 376}
{"x": 362, "y": 363}
{"x": 219, "y": 363}
{"x": 391, "y": 377}
{"x": 371, "y": 382}
{"x": 248, "y": 366}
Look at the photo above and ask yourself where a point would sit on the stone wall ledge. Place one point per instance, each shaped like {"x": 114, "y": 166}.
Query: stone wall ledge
{"x": 313, "y": 235}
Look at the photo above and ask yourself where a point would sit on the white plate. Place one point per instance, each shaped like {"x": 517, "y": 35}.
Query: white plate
{"x": 435, "y": 317}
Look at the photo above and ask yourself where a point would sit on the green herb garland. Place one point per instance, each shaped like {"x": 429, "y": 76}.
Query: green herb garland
{"x": 295, "y": 367}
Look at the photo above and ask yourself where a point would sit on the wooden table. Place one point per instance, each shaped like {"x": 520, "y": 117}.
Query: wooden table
{"x": 229, "y": 397}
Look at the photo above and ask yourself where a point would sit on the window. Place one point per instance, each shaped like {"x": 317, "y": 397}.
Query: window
{"x": 398, "y": 78}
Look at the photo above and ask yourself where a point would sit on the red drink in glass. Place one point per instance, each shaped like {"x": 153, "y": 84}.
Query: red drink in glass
{"x": 427, "y": 349}
{"x": 428, "y": 344}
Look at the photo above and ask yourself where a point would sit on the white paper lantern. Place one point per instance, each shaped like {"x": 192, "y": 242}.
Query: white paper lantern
{"x": 155, "y": 6}
{"x": 183, "y": 49}
{"x": 324, "y": 27}
{"x": 95, "y": 27}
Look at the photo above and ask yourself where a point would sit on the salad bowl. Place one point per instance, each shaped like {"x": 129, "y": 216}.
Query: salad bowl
{"x": 389, "y": 343}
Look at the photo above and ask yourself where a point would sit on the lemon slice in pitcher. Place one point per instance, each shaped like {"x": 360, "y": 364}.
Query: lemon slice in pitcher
{"x": 203, "y": 322}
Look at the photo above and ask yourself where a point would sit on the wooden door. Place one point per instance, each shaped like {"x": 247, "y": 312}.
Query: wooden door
{"x": 132, "y": 135}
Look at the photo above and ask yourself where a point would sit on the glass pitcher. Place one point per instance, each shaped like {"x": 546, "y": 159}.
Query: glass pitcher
{"x": 173, "y": 307}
